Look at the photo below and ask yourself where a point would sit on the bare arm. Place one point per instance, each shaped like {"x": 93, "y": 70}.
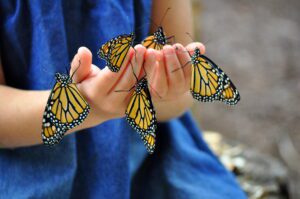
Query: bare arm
{"x": 22, "y": 110}
{"x": 177, "y": 22}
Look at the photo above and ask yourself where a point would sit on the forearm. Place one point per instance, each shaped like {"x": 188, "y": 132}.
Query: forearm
{"x": 166, "y": 110}
{"x": 178, "y": 21}
{"x": 21, "y": 117}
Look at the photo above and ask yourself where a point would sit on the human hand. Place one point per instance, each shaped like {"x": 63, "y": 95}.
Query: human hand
{"x": 169, "y": 89}
{"x": 99, "y": 86}
{"x": 169, "y": 81}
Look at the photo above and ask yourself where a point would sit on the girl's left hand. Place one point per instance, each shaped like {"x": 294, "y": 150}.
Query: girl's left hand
{"x": 169, "y": 79}
{"x": 171, "y": 75}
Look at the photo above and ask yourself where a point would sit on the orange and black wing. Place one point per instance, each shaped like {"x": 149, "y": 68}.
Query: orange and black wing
{"x": 103, "y": 51}
{"x": 229, "y": 95}
{"x": 114, "y": 51}
{"x": 52, "y": 133}
{"x": 206, "y": 80}
{"x": 151, "y": 42}
{"x": 156, "y": 41}
{"x": 140, "y": 114}
{"x": 65, "y": 109}
{"x": 149, "y": 142}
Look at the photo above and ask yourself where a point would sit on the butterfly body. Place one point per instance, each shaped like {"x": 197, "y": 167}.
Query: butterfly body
{"x": 140, "y": 114}
{"x": 115, "y": 50}
{"x": 65, "y": 109}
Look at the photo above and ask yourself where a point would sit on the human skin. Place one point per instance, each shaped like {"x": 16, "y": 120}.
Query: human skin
{"x": 22, "y": 110}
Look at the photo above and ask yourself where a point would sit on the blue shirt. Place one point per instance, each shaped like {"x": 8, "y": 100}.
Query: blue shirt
{"x": 39, "y": 38}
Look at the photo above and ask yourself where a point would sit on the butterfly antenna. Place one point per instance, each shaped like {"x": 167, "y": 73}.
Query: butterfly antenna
{"x": 144, "y": 69}
{"x": 206, "y": 42}
{"x": 119, "y": 91}
{"x": 171, "y": 38}
{"x": 133, "y": 72}
{"x": 156, "y": 93}
{"x": 79, "y": 61}
{"x": 165, "y": 14}
{"x": 190, "y": 36}
{"x": 66, "y": 68}
{"x": 181, "y": 66}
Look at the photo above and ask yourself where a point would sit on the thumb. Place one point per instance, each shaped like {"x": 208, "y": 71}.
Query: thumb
{"x": 81, "y": 64}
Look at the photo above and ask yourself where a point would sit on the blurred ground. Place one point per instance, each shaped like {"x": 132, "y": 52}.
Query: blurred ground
{"x": 257, "y": 43}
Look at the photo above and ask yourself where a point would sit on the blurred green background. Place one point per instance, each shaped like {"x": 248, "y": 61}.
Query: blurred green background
{"x": 257, "y": 43}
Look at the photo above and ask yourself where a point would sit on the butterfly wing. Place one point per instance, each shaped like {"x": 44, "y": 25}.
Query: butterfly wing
{"x": 140, "y": 114}
{"x": 52, "y": 130}
{"x": 68, "y": 107}
{"x": 151, "y": 42}
{"x": 229, "y": 95}
{"x": 149, "y": 141}
{"x": 206, "y": 81}
{"x": 114, "y": 51}
{"x": 156, "y": 41}
{"x": 65, "y": 109}
{"x": 103, "y": 51}
{"x": 51, "y": 133}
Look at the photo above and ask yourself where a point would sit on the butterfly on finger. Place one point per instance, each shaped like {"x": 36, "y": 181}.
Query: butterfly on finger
{"x": 140, "y": 113}
{"x": 115, "y": 50}
{"x": 209, "y": 82}
{"x": 159, "y": 38}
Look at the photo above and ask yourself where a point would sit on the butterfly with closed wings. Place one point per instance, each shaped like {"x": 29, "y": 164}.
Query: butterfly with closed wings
{"x": 140, "y": 113}
{"x": 159, "y": 39}
{"x": 65, "y": 109}
{"x": 115, "y": 50}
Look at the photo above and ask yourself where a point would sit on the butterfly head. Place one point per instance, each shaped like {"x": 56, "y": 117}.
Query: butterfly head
{"x": 63, "y": 79}
{"x": 160, "y": 36}
{"x": 197, "y": 52}
{"x": 196, "y": 55}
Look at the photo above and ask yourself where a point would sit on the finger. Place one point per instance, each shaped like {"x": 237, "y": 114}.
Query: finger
{"x": 160, "y": 82}
{"x": 149, "y": 64}
{"x": 81, "y": 64}
{"x": 175, "y": 80}
{"x": 108, "y": 79}
{"x": 192, "y": 46}
{"x": 128, "y": 80}
{"x": 185, "y": 64}
{"x": 132, "y": 71}
{"x": 140, "y": 59}
{"x": 150, "y": 68}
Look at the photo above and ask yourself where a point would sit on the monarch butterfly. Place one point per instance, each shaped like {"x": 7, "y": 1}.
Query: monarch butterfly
{"x": 115, "y": 50}
{"x": 207, "y": 79}
{"x": 158, "y": 39}
{"x": 140, "y": 114}
{"x": 230, "y": 95}
{"x": 65, "y": 109}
